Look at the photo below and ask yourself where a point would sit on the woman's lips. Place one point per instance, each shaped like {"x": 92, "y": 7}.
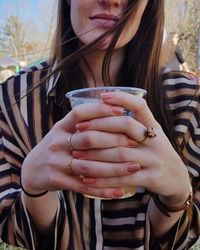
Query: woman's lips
{"x": 104, "y": 20}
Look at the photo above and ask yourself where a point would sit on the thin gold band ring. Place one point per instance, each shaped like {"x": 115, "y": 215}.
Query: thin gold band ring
{"x": 69, "y": 142}
{"x": 69, "y": 167}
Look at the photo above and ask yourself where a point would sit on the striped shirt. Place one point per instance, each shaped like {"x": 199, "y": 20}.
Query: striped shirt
{"x": 90, "y": 224}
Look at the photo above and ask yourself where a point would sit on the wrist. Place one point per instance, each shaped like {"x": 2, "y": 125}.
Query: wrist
{"x": 33, "y": 194}
{"x": 177, "y": 199}
{"x": 171, "y": 205}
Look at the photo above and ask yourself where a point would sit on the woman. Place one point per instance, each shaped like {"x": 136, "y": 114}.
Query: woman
{"x": 96, "y": 150}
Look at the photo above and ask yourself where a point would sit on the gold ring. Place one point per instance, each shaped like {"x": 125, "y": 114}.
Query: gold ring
{"x": 69, "y": 167}
{"x": 69, "y": 142}
{"x": 149, "y": 133}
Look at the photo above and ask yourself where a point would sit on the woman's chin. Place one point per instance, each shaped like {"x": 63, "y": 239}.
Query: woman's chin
{"x": 102, "y": 45}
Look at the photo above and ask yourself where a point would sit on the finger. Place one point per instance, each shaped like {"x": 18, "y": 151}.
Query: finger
{"x": 58, "y": 141}
{"x": 140, "y": 178}
{"x": 118, "y": 124}
{"x": 102, "y": 169}
{"x": 103, "y": 193}
{"x": 79, "y": 167}
{"x": 144, "y": 157}
{"x": 96, "y": 139}
{"x": 59, "y": 181}
{"x": 86, "y": 112}
{"x": 134, "y": 103}
{"x": 119, "y": 154}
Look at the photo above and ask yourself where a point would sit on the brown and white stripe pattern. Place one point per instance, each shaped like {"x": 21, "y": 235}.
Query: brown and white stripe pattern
{"x": 83, "y": 223}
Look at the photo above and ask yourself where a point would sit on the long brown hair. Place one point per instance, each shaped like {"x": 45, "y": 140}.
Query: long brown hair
{"x": 140, "y": 68}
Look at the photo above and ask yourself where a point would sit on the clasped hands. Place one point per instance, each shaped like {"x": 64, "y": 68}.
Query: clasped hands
{"x": 106, "y": 151}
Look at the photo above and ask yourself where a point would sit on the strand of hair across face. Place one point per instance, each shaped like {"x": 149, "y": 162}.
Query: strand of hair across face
{"x": 65, "y": 42}
{"x": 71, "y": 57}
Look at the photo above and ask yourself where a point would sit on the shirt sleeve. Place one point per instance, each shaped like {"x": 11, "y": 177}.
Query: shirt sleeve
{"x": 186, "y": 110}
{"x": 184, "y": 102}
{"x": 19, "y": 229}
{"x": 16, "y": 225}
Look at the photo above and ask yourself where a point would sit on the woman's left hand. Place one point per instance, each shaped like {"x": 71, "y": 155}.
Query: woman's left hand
{"x": 160, "y": 169}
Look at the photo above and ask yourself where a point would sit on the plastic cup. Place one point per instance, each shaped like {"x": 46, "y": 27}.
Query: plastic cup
{"x": 92, "y": 95}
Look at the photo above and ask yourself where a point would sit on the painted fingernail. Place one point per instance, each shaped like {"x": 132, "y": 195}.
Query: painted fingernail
{"x": 117, "y": 110}
{"x": 132, "y": 143}
{"x": 133, "y": 167}
{"x": 82, "y": 126}
{"x": 89, "y": 181}
{"x": 106, "y": 95}
{"x": 78, "y": 154}
{"x": 118, "y": 192}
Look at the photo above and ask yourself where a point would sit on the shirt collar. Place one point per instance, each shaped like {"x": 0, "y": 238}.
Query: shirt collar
{"x": 52, "y": 82}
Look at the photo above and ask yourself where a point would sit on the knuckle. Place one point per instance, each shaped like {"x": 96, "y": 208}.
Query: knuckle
{"x": 52, "y": 146}
{"x": 53, "y": 141}
{"x": 123, "y": 155}
{"x": 87, "y": 140}
{"x": 84, "y": 169}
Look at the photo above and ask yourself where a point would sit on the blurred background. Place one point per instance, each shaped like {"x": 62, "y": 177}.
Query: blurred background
{"x": 26, "y": 28}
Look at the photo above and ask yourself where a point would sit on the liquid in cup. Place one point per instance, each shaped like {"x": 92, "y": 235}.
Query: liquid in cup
{"x": 92, "y": 95}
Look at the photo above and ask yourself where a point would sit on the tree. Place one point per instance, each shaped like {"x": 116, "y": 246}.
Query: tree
{"x": 12, "y": 38}
{"x": 182, "y": 16}
{"x": 26, "y": 32}
{"x": 17, "y": 40}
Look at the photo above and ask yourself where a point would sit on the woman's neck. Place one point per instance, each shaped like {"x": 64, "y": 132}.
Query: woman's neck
{"x": 95, "y": 61}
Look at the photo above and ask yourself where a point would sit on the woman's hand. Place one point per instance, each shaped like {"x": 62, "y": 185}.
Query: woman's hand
{"x": 108, "y": 155}
{"x": 45, "y": 167}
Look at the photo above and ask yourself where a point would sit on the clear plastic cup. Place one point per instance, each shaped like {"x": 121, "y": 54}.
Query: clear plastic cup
{"x": 92, "y": 95}
{"x": 85, "y": 95}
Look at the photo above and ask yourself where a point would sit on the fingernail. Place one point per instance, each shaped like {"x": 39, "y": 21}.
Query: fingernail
{"x": 82, "y": 126}
{"x": 133, "y": 167}
{"x": 106, "y": 95}
{"x": 78, "y": 154}
{"x": 90, "y": 181}
{"x": 118, "y": 192}
{"x": 117, "y": 110}
{"x": 132, "y": 143}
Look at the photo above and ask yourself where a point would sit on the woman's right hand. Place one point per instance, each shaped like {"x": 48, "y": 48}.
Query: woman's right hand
{"x": 45, "y": 167}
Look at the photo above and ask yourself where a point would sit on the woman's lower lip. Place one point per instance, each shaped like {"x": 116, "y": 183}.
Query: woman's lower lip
{"x": 104, "y": 23}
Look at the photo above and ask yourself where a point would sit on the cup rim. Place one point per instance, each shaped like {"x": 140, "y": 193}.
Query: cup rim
{"x": 123, "y": 88}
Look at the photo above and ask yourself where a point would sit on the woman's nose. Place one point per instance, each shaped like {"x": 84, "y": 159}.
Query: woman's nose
{"x": 115, "y": 3}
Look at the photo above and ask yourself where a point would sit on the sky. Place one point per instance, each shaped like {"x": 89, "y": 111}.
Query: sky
{"x": 16, "y": 6}
{"x": 26, "y": 9}
{"x": 38, "y": 14}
